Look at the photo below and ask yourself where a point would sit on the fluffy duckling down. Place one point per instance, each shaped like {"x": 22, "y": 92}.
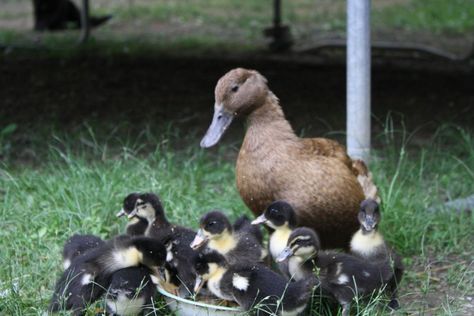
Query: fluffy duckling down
{"x": 77, "y": 245}
{"x": 136, "y": 226}
{"x": 281, "y": 218}
{"x": 314, "y": 175}
{"x": 341, "y": 275}
{"x": 89, "y": 274}
{"x": 369, "y": 244}
{"x": 130, "y": 292}
{"x": 254, "y": 287}
{"x": 176, "y": 238}
{"x": 236, "y": 246}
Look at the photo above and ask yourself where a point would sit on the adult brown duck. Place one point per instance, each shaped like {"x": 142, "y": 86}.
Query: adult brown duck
{"x": 314, "y": 175}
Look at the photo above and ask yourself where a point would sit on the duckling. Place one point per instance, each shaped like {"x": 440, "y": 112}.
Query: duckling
{"x": 244, "y": 225}
{"x": 89, "y": 274}
{"x": 130, "y": 292}
{"x": 280, "y": 217}
{"x": 236, "y": 246}
{"x": 342, "y": 275}
{"x": 136, "y": 226}
{"x": 77, "y": 245}
{"x": 369, "y": 244}
{"x": 254, "y": 287}
{"x": 176, "y": 238}
{"x": 314, "y": 175}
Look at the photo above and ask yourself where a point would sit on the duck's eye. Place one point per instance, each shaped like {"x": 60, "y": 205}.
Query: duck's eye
{"x": 234, "y": 88}
{"x": 273, "y": 211}
{"x": 211, "y": 223}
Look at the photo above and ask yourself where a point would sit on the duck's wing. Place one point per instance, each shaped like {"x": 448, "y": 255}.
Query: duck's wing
{"x": 326, "y": 147}
{"x": 332, "y": 149}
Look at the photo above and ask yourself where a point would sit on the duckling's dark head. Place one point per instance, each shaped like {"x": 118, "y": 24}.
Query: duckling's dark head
{"x": 152, "y": 251}
{"x": 238, "y": 92}
{"x": 278, "y": 214}
{"x": 129, "y": 282}
{"x": 369, "y": 215}
{"x": 128, "y": 204}
{"x": 212, "y": 226}
{"x": 303, "y": 242}
{"x": 149, "y": 207}
{"x": 205, "y": 264}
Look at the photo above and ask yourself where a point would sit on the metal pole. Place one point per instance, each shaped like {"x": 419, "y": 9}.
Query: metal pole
{"x": 276, "y": 13}
{"x": 85, "y": 23}
{"x": 358, "y": 79}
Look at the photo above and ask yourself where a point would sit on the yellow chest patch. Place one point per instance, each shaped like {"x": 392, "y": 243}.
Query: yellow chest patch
{"x": 223, "y": 244}
{"x": 366, "y": 244}
{"x": 278, "y": 240}
{"x": 124, "y": 258}
{"x": 213, "y": 283}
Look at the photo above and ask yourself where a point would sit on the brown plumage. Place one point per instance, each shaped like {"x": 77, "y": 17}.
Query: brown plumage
{"x": 315, "y": 175}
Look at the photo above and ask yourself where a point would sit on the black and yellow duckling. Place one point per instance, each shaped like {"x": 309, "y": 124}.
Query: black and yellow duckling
{"x": 77, "y": 245}
{"x": 89, "y": 274}
{"x": 342, "y": 275}
{"x": 130, "y": 292}
{"x": 176, "y": 238}
{"x": 369, "y": 244}
{"x": 281, "y": 218}
{"x": 254, "y": 287}
{"x": 236, "y": 246}
{"x": 136, "y": 226}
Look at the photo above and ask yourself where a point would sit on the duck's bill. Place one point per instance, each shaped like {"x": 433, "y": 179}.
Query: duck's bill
{"x": 132, "y": 213}
{"x": 121, "y": 213}
{"x": 369, "y": 223}
{"x": 220, "y": 122}
{"x": 199, "y": 240}
{"x": 198, "y": 284}
{"x": 259, "y": 220}
{"x": 285, "y": 254}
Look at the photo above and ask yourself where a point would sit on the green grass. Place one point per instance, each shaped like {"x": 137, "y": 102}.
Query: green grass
{"x": 77, "y": 180}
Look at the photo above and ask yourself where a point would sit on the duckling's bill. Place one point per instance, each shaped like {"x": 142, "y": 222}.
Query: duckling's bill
{"x": 199, "y": 240}
{"x": 285, "y": 254}
{"x": 198, "y": 284}
{"x": 259, "y": 220}
{"x": 133, "y": 213}
{"x": 121, "y": 213}
{"x": 220, "y": 122}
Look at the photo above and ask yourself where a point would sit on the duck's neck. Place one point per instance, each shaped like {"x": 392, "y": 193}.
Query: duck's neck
{"x": 367, "y": 244}
{"x": 268, "y": 123}
{"x": 225, "y": 243}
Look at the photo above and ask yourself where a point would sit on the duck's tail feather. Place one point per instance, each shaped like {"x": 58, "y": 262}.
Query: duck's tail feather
{"x": 364, "y": 176}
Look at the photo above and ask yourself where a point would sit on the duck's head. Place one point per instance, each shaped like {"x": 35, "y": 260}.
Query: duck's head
{"x": 303, "y": 242}
{"x": 213, "y": 225}
{"x": 128, "y": 204}
{"x": 153, "y": 253}
{"x": 369, "y": 215}
{"x": 278, "y": 215}
{"x": 237, "y": 93}
{"x": 206, "y": 264}
{"x": 128, "y": 282}
{"x": 148, "y": 206}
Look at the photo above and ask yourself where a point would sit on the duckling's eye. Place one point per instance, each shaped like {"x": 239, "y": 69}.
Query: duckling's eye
{"x": 274, "y": 211}
{"x": 211, "y": 223}
{"x": 234, "y": 88}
